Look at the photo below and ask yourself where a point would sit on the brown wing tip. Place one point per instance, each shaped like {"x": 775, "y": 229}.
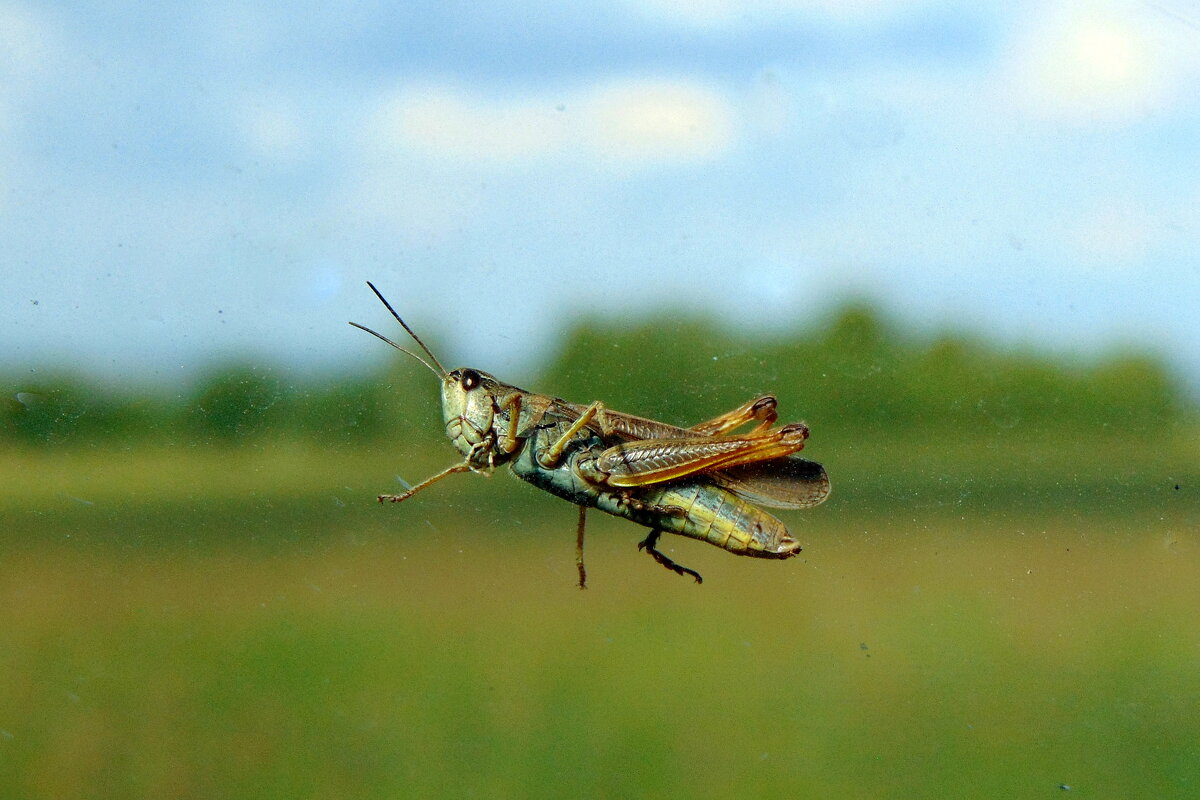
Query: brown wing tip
{"x": 793, "y": 433}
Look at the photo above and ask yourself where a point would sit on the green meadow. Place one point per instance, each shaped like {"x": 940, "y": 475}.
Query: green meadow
{"x": 991, "y": 604}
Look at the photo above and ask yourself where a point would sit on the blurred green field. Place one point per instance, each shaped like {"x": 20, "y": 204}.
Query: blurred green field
{"x": 978, "y": 618}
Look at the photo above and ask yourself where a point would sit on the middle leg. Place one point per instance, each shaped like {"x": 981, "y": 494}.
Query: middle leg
{"x": 579, "y": 548}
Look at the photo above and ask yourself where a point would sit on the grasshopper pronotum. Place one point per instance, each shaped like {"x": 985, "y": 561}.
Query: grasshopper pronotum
{"x": 698, "y": 482}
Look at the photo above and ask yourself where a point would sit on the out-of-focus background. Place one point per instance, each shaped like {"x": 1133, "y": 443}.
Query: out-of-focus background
{"x": 960, "y": 242}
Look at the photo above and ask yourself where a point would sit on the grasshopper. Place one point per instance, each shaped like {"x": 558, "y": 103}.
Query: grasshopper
{"x": 701, "y": 482}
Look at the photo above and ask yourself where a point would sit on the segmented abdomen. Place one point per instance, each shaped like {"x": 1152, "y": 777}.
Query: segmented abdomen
{"x": 720, "y": 517}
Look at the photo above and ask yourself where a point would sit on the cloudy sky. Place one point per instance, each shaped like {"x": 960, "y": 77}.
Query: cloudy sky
{"x": 186, "y": 182}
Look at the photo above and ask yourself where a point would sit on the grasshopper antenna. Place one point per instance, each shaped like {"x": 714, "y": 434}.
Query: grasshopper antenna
{"x": 440, "y": 371}
{"x": 398, "y": 347}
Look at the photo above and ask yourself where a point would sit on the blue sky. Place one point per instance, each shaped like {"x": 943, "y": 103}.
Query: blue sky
{"x": 184, "y": 184}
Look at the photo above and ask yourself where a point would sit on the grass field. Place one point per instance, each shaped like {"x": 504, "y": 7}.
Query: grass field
{"x": 974, "y": 622}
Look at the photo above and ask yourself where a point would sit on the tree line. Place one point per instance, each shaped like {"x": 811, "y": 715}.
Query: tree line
{"x": 856, "y": 373}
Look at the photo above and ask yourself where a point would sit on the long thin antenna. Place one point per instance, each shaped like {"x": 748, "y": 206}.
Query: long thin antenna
{"x": 428, "y": 352}
{"x": 441, "y": 374}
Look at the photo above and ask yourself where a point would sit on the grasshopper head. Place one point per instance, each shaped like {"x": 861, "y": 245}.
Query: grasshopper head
{"x": 468, "y": 405}
{"x": 468, "y": 397}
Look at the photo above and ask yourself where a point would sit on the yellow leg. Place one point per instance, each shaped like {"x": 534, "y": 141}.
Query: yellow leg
{"x": 512, "y": 403}
{"x": 553, "y": 454}
{"x": 761, "y": 409}
{"x": 396, "y": 498}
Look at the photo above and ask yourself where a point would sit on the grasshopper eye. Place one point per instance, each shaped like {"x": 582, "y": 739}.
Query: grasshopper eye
{"x": 470, "y": 379}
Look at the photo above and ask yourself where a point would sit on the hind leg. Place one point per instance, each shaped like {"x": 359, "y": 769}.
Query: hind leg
{"x": 648, "y": 544}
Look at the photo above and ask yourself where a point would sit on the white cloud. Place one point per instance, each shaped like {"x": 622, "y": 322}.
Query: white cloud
{"x": 29, "y": 48}
{"x": 274, "y": 130}
{"x": 651, "y": 121}
{"x": 618, "y": 123}
{"x": 454, "y": 125}
{"x": 27, "y": 42}
{"x": 1099, "y": 61}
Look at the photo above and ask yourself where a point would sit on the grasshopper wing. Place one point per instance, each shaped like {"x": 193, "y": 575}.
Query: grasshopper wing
{"x": 640, "y": 463}
{"x": 790, "y": 482}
